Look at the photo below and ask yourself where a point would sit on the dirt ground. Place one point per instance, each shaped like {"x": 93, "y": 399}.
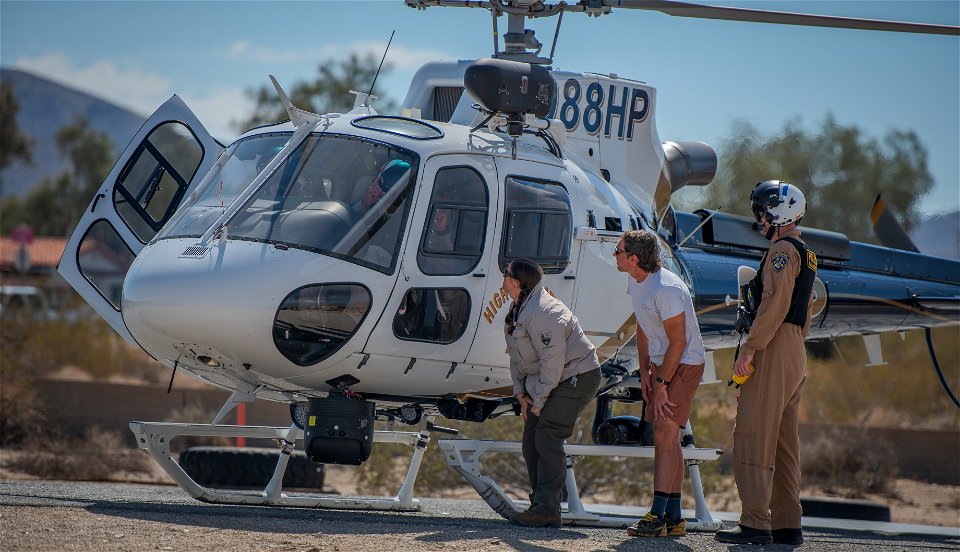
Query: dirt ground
{"x": 68, "y": 516}
{"x": 909, "y": 501}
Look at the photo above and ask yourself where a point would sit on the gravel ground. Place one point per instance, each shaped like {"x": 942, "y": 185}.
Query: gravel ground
{"x": 62, "y": 516}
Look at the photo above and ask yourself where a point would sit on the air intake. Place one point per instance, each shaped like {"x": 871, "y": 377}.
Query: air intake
{"x": 194, "y": 252}
{"x": 445, "y": 100}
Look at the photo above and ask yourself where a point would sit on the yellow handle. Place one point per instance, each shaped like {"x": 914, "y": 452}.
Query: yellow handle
{"x": 740, "y": 380}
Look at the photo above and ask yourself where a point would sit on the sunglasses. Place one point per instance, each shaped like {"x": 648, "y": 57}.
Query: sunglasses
{"x": 617, "y": 252}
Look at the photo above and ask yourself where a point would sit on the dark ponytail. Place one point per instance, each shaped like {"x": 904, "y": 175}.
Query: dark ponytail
{"x": 528, "y": 274}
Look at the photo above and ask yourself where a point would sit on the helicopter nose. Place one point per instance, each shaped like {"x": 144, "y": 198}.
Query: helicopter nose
{"x": 238, "y": 309}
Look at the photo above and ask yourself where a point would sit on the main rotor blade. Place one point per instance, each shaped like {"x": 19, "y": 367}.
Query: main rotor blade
{"x": 685, "y": 9}
{"x": 529, "y": 8}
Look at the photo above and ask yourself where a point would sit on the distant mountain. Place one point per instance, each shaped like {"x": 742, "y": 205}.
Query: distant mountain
{"x": 939, "y": 235}
{"x": 45, "y": 107}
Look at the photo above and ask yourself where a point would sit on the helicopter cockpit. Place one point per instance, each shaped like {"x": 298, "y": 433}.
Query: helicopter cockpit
{"x": 319, "y": 199}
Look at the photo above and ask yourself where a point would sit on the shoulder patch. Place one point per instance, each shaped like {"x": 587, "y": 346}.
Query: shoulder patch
{"x": 546, "y": 337}
{"x": 778, "y": 261}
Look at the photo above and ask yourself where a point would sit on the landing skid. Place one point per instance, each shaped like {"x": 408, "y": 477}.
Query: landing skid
{"x": 464, "y": 455}
{"x": 154, "y": 438}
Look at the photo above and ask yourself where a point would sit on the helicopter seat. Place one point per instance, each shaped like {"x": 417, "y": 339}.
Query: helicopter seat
{"x": 316, "y": 225}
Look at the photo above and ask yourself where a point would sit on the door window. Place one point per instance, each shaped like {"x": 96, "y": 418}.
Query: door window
{"x": 456, "y": 223}
{"x": 155, "y": 178}
{"x": 430, "y": 314}
{"x": 538, "y": 224}
{"x": 104, "y": 259}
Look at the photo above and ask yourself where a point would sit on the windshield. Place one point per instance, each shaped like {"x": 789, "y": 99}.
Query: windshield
{"x": 341, "y": 196}
{"x": 236, "y": 168}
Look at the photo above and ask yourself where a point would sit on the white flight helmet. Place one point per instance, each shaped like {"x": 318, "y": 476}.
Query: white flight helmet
{"x": 781, "y": 202}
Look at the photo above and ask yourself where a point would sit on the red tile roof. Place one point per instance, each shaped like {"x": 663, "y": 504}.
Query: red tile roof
{"x": 44, "y": 252}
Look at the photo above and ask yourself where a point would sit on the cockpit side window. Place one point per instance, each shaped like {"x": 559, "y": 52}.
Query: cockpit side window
{"x": 456, "y": 223}
{"x": 236, "y": 168}
{"x": 538, "y": 224}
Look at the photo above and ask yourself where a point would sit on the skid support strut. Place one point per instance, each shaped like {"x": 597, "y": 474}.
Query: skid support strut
{"x": 155, "y": 437}
{"x": 464, "y": 455}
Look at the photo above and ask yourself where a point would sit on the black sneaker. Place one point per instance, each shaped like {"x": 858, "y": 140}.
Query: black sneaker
{"x": 741, "y": 534}
{"x": 788, "y": 536}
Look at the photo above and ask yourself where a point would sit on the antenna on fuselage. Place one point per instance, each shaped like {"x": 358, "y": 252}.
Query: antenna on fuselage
{"x": 377, "y": 75}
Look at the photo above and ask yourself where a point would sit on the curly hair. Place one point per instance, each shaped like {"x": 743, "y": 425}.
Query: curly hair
{"x": 645, "y": 247}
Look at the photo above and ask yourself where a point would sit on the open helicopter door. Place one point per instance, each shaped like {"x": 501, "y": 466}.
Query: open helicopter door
{"x": 431, "y": 317}
{"x": 160, "y": 166}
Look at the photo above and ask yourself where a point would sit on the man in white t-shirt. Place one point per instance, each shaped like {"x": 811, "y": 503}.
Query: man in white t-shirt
{"x": 671, "y": 359}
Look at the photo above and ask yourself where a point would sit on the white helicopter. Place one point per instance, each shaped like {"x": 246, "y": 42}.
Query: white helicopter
{"x": 350, "y": 263}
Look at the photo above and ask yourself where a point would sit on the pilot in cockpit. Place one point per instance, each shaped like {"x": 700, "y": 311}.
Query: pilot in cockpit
{"x": 389, "y": 174}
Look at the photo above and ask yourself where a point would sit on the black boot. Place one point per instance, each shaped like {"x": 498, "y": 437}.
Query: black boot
{"x": 788, "y": 536}
{"x": 741, "y": 534}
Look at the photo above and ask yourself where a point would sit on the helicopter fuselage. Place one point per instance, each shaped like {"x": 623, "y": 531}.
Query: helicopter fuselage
{"x": 400, "y": 311}
{"x": 366, "y": 252}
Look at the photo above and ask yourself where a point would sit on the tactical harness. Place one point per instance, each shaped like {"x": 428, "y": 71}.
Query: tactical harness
{"x": 751, "y": 293}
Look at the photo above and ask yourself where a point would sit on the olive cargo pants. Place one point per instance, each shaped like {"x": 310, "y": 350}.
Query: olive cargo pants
{"x": 543, "y": 438}
{"x": 766, "y": 442}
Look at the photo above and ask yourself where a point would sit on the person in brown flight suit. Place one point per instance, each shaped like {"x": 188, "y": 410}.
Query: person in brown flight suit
{"x": 766, "y": 443}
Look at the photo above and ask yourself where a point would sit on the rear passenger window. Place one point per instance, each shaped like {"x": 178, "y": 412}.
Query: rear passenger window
{"x": 538, "y": 224}
{"x": 456, "y": 223}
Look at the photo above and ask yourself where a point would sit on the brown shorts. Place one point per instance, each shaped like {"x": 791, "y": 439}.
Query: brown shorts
{"x": 682, "y": 389}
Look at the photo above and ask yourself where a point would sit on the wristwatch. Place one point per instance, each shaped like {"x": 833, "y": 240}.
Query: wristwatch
{"x": 663, "y": 381}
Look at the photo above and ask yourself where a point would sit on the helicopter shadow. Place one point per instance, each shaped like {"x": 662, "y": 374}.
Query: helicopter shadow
{"x": 307, "y": 521}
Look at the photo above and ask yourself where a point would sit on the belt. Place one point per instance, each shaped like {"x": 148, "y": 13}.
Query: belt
{"x": 573, "y": 379}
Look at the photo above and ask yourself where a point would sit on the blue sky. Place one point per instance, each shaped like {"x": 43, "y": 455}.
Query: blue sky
{"x": 707, "y": 73}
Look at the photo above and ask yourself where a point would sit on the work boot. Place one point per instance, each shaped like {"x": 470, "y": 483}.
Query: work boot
{"x": 531, "y": 518}
{"x": 788, "y": 536}
{"x": 648, "y": 526}
{"x": 741, "y": 534}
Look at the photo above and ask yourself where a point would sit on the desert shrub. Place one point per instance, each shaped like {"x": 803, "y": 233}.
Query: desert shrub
{"x": 20, "y": 412}
{"x": 849, "y": 465}
{"x": 74, "y": 337}
{"x": 843, "y": 390}
{"x": 97, "y": 456}
{"x": 384, "y": 471}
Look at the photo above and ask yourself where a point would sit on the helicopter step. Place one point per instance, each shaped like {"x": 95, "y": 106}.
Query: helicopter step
{"x": 463, "y": 455}
{"x": 155, "y": 437}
